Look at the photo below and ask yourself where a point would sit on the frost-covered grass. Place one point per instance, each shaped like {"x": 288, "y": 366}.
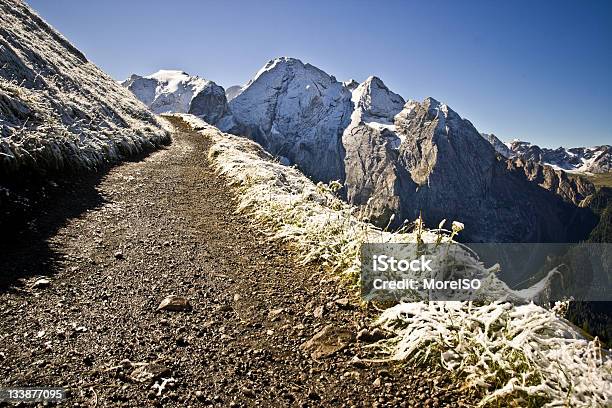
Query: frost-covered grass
{"x": 58, "y": 111}
{"x": 523, "y": 354}
{"x": 45, "y": 143}
{"x": 515, "y": 355}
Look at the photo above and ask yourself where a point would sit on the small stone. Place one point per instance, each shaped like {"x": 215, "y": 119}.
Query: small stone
{"x": 318, "y": 312}
{"x": 247, "y": 392}
{"x": 174, "y": 303}
{"x": 343, "y": 303}
{"x": 377, "y": 382}
{"x": 327, "y": 341}
{"x": 150, "y": 372}
{"x": 119, "y": 255}
{"x": 275, "y": 313}
{"x": 41, "y": 283}
{"x": 368, "y": 336}
{"x": 312, "y": 395}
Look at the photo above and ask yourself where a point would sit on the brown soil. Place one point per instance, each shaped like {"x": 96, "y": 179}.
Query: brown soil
{"x": 113, "y": 245}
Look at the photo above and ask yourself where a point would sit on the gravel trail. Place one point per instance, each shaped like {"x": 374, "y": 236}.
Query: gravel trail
{"x": 112, "y": 246}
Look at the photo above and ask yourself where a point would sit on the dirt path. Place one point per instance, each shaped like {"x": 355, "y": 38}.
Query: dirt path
{"x": 166, "y": 225}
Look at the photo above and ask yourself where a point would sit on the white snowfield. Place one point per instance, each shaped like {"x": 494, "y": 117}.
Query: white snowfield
{"x": 516, "y": 354}
{"x": 57, "y": 110}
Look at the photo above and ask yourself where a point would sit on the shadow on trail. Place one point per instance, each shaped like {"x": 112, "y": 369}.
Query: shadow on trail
{"x": 33, "y": 212}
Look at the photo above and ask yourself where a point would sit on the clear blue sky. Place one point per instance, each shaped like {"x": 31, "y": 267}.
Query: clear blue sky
{"x": 535, "y": 70}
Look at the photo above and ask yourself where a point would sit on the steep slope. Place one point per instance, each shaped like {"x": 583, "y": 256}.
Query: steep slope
{"x": 295, "y": 111}
{"x": 448, "y": 170}
{"x": 371, "y": 150}
{"x": 57, "y": 110}
{"x": 572, "y": 188}
{"x": 499, "y": 146}
{"x": 169, "y": 91}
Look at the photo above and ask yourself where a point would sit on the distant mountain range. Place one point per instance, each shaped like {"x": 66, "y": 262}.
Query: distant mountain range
{"x": 596, "y": 159}
{"x": 396, "y": 159}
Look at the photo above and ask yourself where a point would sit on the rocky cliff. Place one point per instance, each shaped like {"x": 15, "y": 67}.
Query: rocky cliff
{"x": 595, "y": 159}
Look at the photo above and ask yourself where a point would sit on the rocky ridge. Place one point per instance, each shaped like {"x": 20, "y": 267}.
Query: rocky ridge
{"x": 595, "y": 159}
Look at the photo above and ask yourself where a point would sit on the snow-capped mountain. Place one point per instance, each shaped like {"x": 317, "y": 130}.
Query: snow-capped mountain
{"x": 395, "y": 159}
{"x": 296, "y": 111}
{"x": 499, "y": 146}
{"x": 399, "y": 159}
{"x": 170, "y": 91}
{"x": 596, "y": 159}
{"x": 58, "y": 111}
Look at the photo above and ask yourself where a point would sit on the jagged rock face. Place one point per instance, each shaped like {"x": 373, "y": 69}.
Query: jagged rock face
{"x": 375, "y": 102}
{"x": 296, "y": 111}
{"x": 58, "y": 111}
{"x": 571, "y": 188}
{"x": 169, "y": 91}
{"x": 596, "y": 159}
{"x": 351, "y": 84}
{"x": 371, "y": 150}
{"x": 444, "y": 169}
{"x": 232, "y": 92}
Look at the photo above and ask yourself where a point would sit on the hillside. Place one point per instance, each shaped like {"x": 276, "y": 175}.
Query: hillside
{"x": 58, "y": 111}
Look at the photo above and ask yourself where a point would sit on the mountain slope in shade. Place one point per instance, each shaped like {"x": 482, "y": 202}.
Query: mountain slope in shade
{"x": 57, "y": 110}
{"x": 444, "y": 169}
{"x": 595, "y": 159}
{"x": 170, "y": 91}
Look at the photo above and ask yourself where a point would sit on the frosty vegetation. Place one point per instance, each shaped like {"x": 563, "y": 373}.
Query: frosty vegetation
{"x": 524, "y": 354}
{"x": 58, "y": 111}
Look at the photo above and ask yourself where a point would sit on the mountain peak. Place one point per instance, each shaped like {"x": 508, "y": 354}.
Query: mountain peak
{"x": 375, "y": 102}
